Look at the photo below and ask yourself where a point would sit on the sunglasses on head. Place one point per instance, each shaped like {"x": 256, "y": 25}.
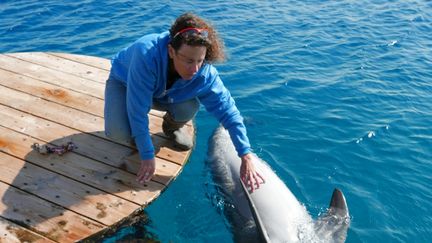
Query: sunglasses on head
{"x": 187, "y": 31}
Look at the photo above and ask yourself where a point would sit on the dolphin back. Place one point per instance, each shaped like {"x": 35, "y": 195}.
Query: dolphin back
{"x": 283, "y": 216}
{"x": 222, "y": 160}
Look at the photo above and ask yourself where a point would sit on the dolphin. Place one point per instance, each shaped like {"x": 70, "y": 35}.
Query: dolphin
{"x": 271, "y": 213}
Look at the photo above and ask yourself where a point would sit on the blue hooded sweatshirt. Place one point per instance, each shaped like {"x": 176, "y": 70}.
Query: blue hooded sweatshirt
{"x": 143, "y": 68}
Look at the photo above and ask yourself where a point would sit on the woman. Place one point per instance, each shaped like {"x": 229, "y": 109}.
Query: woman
{"x": 172, "y": 72}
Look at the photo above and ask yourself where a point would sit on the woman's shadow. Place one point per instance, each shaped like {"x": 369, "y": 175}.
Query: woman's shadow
{"x": 81, "y": 191}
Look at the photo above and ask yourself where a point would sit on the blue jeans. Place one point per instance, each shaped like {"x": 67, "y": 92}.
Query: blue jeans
{"x": 117, "y": 125}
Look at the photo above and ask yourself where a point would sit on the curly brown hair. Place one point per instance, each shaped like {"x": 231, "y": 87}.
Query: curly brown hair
{"x": 214, "y": 45}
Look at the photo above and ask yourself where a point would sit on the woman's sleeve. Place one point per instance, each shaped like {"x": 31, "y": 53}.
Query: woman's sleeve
{"x": 140, "y": 86}
{"x": 218, "y": 101}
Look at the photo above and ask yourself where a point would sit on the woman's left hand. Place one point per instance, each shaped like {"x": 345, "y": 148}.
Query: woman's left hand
{"x": 248, "y": 174}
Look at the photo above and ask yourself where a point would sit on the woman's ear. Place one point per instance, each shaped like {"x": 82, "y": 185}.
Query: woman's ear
{"x": 171, "y": 51}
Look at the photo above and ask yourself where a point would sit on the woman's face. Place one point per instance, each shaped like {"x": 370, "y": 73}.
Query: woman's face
{"x": 187, "y": 59}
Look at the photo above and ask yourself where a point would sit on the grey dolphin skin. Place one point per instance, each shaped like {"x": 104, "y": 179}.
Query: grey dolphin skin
{"x": 271, "y": 213}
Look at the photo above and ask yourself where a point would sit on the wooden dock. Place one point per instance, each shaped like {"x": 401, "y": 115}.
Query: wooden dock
{"x": 56, "y": 98}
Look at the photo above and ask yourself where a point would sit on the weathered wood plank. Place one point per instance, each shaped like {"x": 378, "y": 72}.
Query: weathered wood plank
{"x": 73, "y": 118}
{"x": 57, "y": 78}
{"x": 13, "y": 233}
{"x": 45, "y": 218}
{"x": 51, "y": 76}
{"x": 51, "y": 111}
{"x": 53, "y": 93}
{"x": 83, "y": 169}
{"x": 91, "y": 145}
{"x": 80, "y": 198}
{"x": 64, "y": 65}
{"x": 97, "y": 62}
{"x": 63, "y": 96}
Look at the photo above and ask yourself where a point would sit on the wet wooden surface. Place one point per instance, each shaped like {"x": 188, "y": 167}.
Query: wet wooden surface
{"x": 53, "y": 99}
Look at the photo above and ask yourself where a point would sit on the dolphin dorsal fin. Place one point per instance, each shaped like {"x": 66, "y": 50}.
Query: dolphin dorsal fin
{"x": 333, "y": 226}
{"x": 338, "y": 205}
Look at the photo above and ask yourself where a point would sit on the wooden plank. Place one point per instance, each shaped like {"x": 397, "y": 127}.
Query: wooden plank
{"x": 57, "y": 78}
{"x": 76, "y": 119}
{"x": 75, "y": 196}
{"x": 165, "y": 172}
{"x": 51, "y": 76}
{"x": 52, "y": 93}
{"x": 65, "y": 97}
{"x": 97, "y": 62}
{"x": 52, "y": 111}
{"x": 45, "y": 218}
{"x": 90, "y": 145}
{"x": 106, "y": 178}
{"x": 64, "y": 65}
{"x": 13, "y": 233}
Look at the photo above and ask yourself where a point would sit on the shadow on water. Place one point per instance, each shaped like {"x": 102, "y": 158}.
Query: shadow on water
{"x": 62, "y": 197}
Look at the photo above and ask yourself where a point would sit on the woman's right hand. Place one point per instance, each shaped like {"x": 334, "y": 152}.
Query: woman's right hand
{"x": 146, "y": 170}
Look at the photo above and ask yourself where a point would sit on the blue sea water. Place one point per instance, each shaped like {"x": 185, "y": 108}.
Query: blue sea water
{"x": 334, "y": 94}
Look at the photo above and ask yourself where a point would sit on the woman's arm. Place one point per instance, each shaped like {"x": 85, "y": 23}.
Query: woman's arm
{"x": 218, "y": 101}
